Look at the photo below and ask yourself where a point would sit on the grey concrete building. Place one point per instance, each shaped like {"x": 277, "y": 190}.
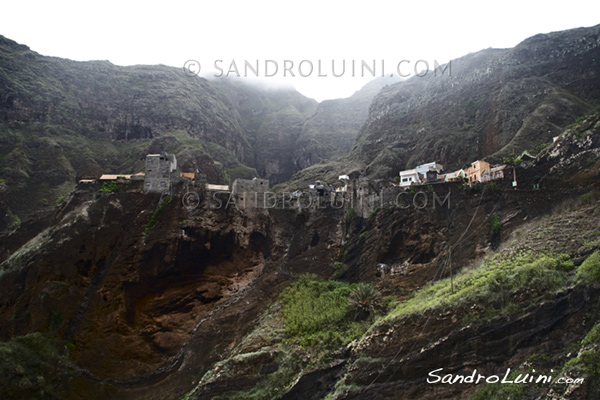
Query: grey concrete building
{"x": 250, "y": 193}
{"x": 161, "y": 172}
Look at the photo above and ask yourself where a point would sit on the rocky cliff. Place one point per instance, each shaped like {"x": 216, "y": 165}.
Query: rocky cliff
{"x": 135, "y": 298}
{"x": 61, "y": 121}
{"x": 490, "y": 104}
{"x": 487, "y": 105}
{"x": 126, "y": 295}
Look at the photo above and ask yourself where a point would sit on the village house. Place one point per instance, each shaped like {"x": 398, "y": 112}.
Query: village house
{"x": 217, "y": 188}
{"x": 114, "y": 177}
{"x": 526, "y": 159}
{"x": 344, "y": 179}
{"x": 431, "y": 176}
{"x": 432, "y": 166}
{"x": 250, "y": 193}
{"x": 410, "y": 177}
{"x": 161, "y": 172}
{"x": 456, "y": 176}
{"x": 476, "y": 170}
{"x": 495, "y": 172}
{"x": 319, "y": 188}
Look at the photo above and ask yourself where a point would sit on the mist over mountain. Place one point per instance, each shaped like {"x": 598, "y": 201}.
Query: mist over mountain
{"x": 486, "y": 105}
{"x": 370, "y": 291}
{"x": 62, "y": 120}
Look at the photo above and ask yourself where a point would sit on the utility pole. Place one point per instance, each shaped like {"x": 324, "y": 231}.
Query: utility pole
{"x": 451, "y": 274}
{"x": 514, "y": 176}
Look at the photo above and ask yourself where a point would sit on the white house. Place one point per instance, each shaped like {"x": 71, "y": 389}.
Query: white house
{"x": 344, "y": 179}
{"x": 455, "y": 176}
{"x": 424, "y": 168}
{"x": 409, "y": 177}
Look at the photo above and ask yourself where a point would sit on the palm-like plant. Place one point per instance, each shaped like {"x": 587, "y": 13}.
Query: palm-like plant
{"x": 364, "y": 299}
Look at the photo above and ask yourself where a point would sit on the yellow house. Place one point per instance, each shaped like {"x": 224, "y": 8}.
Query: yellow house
{"x": 476, "y": 170}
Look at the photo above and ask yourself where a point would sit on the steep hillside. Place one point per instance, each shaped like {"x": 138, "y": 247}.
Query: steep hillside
{"x": 62, "y": 120}
{"x": 490, "y": 104}
{"x": 135, "y": 299}
{"x": 486, "y": 105}
{"x": 331, "y": 132}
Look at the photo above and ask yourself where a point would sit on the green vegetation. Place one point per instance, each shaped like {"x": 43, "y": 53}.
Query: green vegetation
{"x": 60, "y": 199}
{"x": 337, "y": 269}
{"x": 31, "y": 367}
{"x": 350, "y": 215}
{"x": 535, "y": 150}
{"x": 273, "y": 385}
{"x": 365, "y": 300}
{"x": 586, "y": 364}
{"x": 589, "y": 270}
{"x": 577, "y": 122}
{"x": 491, "y": 187}
{"x": 516, "y": 391}
{"x": 375, "y": 211}
{"x": 110, "y": 187}
{"x": 166, "y": 201}
{"x": 240, "y": 172}
{"x": 476, "y": 187}
{"x": 512, "y": 161}
{"x": 496, "y": 224}
{"x": 16, "y": 219}
{"x": 589, "y": 198}
{"x": 492, "y": 285}
{"x": 316, "y": 313}
{"x": 466, "y": 126}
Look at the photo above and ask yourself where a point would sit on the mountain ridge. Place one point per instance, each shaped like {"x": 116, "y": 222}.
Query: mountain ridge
{"x": 490, "y": 104}
{"x": 62, "y": 120}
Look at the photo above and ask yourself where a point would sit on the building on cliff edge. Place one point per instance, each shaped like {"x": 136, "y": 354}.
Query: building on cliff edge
{"x": 161, "y": 172}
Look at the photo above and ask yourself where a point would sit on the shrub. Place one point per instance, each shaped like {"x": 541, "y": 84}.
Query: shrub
{"x": 156, "y": 213}
{"x": 337, "y": 269}
{"x": 496, "y": 224}
{"x": 316, "y": 313}
{"x": 32, "y": 367}
{"x": 492, "y": 285}
{"x": 491, "y": 187}
{"x": 586, "y": 364}
{"x": 589, "y": 270}
{"x": 16, "y": 219}
{"x": 109, "y": 187}
{"x": 350, "y": 215}
{"x": 538, "y": 148}
{"x": 588, "y": 198}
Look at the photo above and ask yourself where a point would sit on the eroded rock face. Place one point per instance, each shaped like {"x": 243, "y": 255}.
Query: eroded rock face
{"x": 132, "y": 300}
{"x": 492, "y": 103}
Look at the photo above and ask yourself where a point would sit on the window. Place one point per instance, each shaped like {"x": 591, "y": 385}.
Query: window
{"x": 163, "y": 183}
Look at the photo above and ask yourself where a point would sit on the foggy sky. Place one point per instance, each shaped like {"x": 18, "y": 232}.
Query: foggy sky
{"x": 135, "y": 32}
